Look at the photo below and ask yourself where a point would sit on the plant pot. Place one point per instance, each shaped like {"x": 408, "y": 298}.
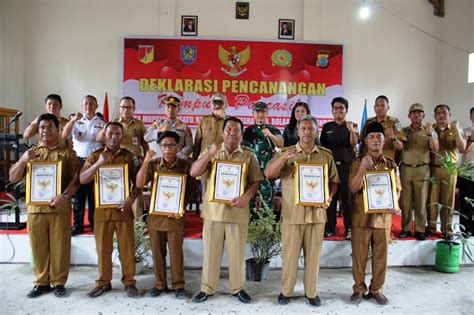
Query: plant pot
{"x": 447, "y": 256}
{"x": 256, "y": 272}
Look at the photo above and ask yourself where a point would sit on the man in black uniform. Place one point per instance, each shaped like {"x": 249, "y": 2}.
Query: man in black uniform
{"x": 340, "y": 136}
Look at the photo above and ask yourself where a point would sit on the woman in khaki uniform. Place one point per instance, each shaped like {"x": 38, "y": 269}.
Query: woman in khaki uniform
{"x": 49, "y": 226}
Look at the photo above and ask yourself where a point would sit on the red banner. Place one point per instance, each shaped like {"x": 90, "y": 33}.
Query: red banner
{"x": 279, "y": 73}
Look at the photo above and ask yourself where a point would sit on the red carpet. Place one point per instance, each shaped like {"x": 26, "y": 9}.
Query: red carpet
{"x": 193, "y": 228}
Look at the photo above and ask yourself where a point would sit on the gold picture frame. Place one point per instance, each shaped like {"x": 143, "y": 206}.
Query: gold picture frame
{"x": 111, "y": 185}
{"x": 234, "y": 179}
{"x": 311, "y": 184}
{"x": 379, "y": 191}
{"x": 176, "y": 188}
{"x": 43, "y": 182}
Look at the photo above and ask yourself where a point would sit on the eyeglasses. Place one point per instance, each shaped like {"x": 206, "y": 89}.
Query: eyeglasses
{"x": 168, "y": 145}
{"x": 126, "y": 107}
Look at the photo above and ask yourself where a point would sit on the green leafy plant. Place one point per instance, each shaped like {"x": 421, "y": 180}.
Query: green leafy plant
{"x": 142, "y": 242}
{"x": 264, "y": 235}
{"x": 12, "y": 203}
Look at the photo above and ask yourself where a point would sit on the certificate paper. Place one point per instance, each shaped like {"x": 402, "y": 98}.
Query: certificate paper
{"x": 379, "y": 191}
{"x": 228, "y": 180}
{"x": 168, "y": 194}
{"x": 311, "y": 184}
{"x": 111, "y": 185}
{"x": 43, "y": 182}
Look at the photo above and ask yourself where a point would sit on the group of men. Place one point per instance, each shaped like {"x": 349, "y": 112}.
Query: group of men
{"x": 125, "y": 141}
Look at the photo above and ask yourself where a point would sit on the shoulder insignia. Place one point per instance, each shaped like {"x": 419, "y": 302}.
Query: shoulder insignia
{"x": 97, "y": 150}
{"x": 325, "y": 149}
{"x": 246, "y": 148}
{"x": 397, "y": 126}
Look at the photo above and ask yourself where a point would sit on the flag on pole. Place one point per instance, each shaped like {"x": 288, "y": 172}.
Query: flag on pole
{"x": 364, "y": 116}
{"x": 106, "y": 108}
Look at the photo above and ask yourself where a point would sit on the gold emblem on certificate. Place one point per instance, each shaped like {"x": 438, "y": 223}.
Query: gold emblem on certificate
{"x": 111, "y": 185}
{"x": 167, "y": 195}
{"x": 43, "y": 182}
{"x": 311, "y": 184}
{"x": 227, "y": 180}
{"x": 379, "y": 191}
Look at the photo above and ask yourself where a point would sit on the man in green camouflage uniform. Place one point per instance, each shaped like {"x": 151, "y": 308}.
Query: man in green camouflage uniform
{"x": 262, "y": 138}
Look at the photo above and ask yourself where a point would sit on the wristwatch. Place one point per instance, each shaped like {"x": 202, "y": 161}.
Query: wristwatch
{"x": 66, "y": 196}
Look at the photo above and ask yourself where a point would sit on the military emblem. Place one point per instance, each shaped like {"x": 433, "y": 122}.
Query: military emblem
{"x": 398, "y": 126}
{"x": 233, "y": 60}
{"x": 188, "y": 54}
{"x": 146, "y": 53}
{"x": 281, "y": 58}
{"x": 322, "y": 59}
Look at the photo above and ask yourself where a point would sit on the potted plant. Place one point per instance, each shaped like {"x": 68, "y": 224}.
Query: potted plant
{"x": 448, "y": 251}
{"x": 264, "y": 237}
{"x": 142, "y": 245}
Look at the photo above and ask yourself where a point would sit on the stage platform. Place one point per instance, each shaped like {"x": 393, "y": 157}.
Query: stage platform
{"x": 336, "y": 252}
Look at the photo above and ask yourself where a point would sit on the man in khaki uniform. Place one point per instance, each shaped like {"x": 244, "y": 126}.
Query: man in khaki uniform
{"x": 118, "y": 219}
{"x": 167, "y": 229}
{"x": 133, "y": 140}
{"x": 415, "y": 171}
{"x": 302, "y": 226}
{"x": 370, "y": 230}
{"x": 442, "y": 191}
{"x": 53, "y": 105}
{"x": 49, "y": 225}
{"x": 223, "y": 221}
{"x": 210, "y": 127}
{"x": 394, "y": 135}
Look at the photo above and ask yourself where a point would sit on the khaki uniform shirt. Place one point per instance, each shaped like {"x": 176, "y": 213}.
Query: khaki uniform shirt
{"x": 390, "y": 122}
{"x": 221, "y": 212}
{"x": 180, "y": 166}
{"x": 178, "y": 126}
{"x": 133, "y": 133}
{"x": 447, "y": 145}
{"x": 291, "y": 213}
{"x": 376, "y": 220}
{"x": 69, "y": 170}
{"x": 209, "y": 131}
{"x": 122, "y": 156}
{"x": 416, "y": 149}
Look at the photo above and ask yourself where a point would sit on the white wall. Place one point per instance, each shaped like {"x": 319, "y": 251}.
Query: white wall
{"x": 74, "y": 47}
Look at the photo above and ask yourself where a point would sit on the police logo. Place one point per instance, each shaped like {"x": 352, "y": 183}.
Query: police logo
{"x": 146, "y": 53}
{"x": 188, "y": 54}
{"x": 322, "y": 59}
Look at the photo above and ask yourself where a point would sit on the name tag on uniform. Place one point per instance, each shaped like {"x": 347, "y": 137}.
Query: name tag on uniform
{"x": 135, "y": 140}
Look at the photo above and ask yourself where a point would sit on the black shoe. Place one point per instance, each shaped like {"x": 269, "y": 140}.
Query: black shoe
{"x": 283, "y": 300}
{"x": 132, "y": 291}
{"x": 180, "y": 293}
{"x": 420, "y": 236}
{"x": 59, "y": 290}
{"x": 76, "y": 230}
{"x": 404, "y": 234}
{"x": 154, "y": 292}
{"x": 428, "y": 233}
{"x": 316, "y": 301}
{"x": 38, "y": 290}
{"x": 356, "y": 298}
{"x": 329, "y": 233}
{"x": 200, "y": 297}
{"x": 243, "y": 296}
{"x": 98, "y": 290}
{"x": 379, "y": 298}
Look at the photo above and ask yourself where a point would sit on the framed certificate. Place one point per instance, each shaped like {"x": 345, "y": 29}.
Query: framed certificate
{"x": 43, "y": 181}
{"x": 167, "y": 194}
{"x": 228, "y": 179}
{"x": 311, "y": 184}
{"x": 379, "y": 191}
{"x": 111, "y": 185}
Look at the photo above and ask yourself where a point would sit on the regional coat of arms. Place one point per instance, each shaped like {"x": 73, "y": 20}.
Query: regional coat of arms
{"x": 233, "y": 60}
{"x": 146, "y": 53}
{"x": 188, "y": 54}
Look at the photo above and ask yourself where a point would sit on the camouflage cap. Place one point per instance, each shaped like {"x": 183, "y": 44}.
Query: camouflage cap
{"x": 416, "y": 106}
{"x": 260, "y": 106}
{"x": 218, "y": 97}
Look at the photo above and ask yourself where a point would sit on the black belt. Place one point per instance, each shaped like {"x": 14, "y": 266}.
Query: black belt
{"x": 414, "y": 165}
{"x": 438, "y": 166}
{"x": 340, "y": 163}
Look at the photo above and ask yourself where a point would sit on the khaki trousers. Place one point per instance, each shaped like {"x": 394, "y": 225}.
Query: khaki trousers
{"x": 104, "y": 231}
{"x": 295, "y": 237}
{"x": 415, "y": 187}
{"x": 158, "y": 240}
{"x": 50, "y": 241}
{"x": 361, "y": 239}
{"x": 213, "y": 236}
{"x": 442, "y": 193}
